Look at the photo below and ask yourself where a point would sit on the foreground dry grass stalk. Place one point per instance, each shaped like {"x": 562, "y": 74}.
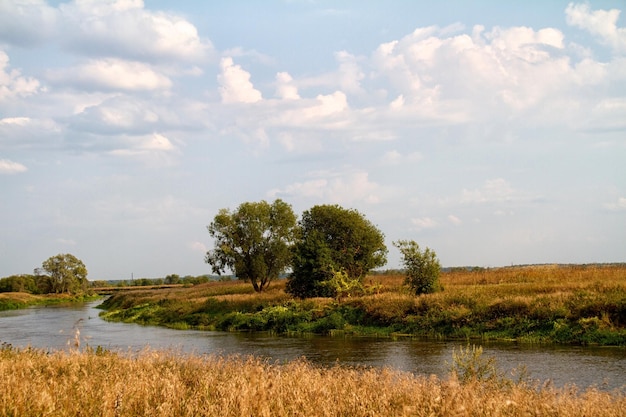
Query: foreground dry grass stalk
{"x": 154, "y": 383}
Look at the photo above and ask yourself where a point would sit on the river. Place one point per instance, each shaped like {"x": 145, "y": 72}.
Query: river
{"x": 54, "y": 328}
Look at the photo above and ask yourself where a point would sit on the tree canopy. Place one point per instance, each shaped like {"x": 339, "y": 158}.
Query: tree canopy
{"x": 66, "y": 273}
{"x": 254, "y": 241}
{"x": 333, "y": 239}
{"x": 19, "y": 283}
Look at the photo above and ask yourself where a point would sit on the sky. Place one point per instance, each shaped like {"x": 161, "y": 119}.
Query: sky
{"x": 492, "y": 132}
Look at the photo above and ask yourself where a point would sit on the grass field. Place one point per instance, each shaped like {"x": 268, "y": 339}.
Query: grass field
{"x": 17, "y": 300}
{"x": 535, "y": 304}
{"x": 152, "y": 383}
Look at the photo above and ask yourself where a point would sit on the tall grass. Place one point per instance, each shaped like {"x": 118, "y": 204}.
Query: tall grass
{"x": 151, "y": 383}
{"x": 572, "y": 304}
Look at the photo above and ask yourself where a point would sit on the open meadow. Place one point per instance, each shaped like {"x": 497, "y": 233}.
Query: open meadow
{"x": 577, "y": 304}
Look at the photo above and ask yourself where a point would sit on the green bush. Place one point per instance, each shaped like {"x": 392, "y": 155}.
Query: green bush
{"x": 422, "y": 267}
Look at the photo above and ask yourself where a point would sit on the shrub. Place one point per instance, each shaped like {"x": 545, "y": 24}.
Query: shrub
{"x": 469, "y": 365}
{"x": 422, "y": 267}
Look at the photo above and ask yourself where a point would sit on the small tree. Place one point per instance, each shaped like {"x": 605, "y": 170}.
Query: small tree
{"x": 422, "y": 267}
{"x": 254, "y": 241}
{"x": 66, "y": 272}
{"x": 172, "y": 279}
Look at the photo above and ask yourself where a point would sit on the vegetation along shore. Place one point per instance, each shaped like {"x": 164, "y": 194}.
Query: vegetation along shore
{"x": 17, "y": 300}
{"x": 573, "y": 304}
{"x": 152, "y": 383}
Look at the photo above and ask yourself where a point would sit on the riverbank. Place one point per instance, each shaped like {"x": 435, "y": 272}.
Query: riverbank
{"x": 17, "y": 300}
{"x": 165, "y": 384}
{"x": 535, "y": 304}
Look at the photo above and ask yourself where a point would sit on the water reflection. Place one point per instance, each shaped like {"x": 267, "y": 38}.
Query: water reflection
{"x": 54, "y": 327}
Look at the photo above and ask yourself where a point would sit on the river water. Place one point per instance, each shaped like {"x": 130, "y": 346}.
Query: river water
{"x": 54, "y": 328}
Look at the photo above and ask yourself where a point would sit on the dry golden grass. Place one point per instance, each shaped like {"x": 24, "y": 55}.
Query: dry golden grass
{"x": 581, "y": 304}
{"x": 548, "y": 276}
{"x": 20, "y": 297}
{"x": 155, "y": 383}
{"x": 510, "y": 281}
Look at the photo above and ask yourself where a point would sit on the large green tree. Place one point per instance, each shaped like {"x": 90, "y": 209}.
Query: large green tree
{"x": 334, "y": 239}
{"x": 254, "y": 241}
{"x": 66, "y": 273}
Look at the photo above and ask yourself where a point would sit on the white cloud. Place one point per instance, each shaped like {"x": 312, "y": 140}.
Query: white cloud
{"x": 494, "y": 190}
{"x": 10, "y": 167}
{"x": 15, "y": 121}
{"x": 523, "y": 42}
{"x": 156, "y": 142}
{"x": 153, "y": 149}
{"x": 309, "y": 112}
{"x": 256, "y": 56}
{"x": 350, "y": 73}
{"x": 26, "y": 22}
{"x": 112, "y": 74}
{"x": 422, "y": 223}
{"x": 328, "y": 105}
{"x": 285, "y": 88}
{"x": 619, "y": 205}
{"x": 454, "y": 219}
{"x": 124, "y": 28}
{"x": 334, "y": 187}
{"x": 326, "y": 110}
{"x": 436, "y": 75}
{"x": 600, "y": 23}
{"x": 235, "y": 85}
{"x": 394, "y": 157}
{"x": 119, "y": 114}
{"x": 608, "y": 114}
{"x": 398, "y": 103}
{"x": 161, "y": 212}
{"x": 64, "y": 241}
{"x": 299, "y": 121}
{"x": 12, "y": 83}
{"x": 483, "y": 86}
{"x": 198, "y": 247}
{"x": 26, "y": 132}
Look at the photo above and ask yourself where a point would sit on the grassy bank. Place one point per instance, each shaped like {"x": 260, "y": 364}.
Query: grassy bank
{"x": 153, "y": 383}
{"x": 17, "y": 300}
{"x": 537, "y": 304}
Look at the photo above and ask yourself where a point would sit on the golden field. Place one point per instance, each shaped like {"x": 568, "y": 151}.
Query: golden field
{"x": 153, "y": 383}
{"x": 580, "y": 304}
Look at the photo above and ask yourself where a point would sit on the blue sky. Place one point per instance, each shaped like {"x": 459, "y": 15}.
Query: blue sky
{"x": 492, "y": 132}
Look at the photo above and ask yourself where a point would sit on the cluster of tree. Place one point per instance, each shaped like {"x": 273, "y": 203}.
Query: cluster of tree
{"x": 63, "y": 273}
{"x": 25, "y": 283}
{"x": 329, "y": 248}
{"x": 194, "y": 280}
{"x": 171, "y": 279}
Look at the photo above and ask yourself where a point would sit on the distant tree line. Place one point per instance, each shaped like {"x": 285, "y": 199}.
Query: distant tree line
{"x": 63, "y": 273}
{"x": 172, "y": 279}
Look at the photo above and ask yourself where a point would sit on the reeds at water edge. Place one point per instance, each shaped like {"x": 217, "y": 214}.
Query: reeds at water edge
{"x": 165, "y": 383}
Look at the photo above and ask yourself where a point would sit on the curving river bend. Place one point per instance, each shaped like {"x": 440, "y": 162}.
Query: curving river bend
{"x": 54, "y": 327}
